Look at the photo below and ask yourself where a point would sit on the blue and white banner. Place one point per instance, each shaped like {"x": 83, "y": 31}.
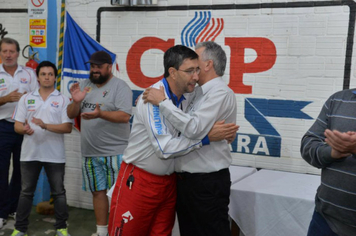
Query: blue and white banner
{"x": 78, "y": 46}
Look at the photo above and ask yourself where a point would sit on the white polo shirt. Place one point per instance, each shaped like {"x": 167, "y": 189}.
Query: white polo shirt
{"x": 43, "y": 145}
{"x": 24, "y": 80}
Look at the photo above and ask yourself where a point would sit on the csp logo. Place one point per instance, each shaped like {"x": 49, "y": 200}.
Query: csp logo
{"x": 201, "y": 28}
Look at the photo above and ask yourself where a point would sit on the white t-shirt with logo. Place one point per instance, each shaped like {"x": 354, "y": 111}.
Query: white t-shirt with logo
{"x": 24, "y": 80}
{"x": 43, "y": 145}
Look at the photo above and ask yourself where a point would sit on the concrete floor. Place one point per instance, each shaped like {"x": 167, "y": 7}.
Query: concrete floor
{"x": 81, "y": 222}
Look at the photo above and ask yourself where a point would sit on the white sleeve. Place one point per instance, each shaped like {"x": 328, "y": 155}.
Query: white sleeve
{"x": 197, "y": 124}
{"x": 34, "y": 84}
{"x": 166, "y": 143}
{"x": 20, "y": 113}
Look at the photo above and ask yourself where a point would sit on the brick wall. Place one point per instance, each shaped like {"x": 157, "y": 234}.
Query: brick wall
{"x": 16, "y": 24}
{"x": 310, "y": 45}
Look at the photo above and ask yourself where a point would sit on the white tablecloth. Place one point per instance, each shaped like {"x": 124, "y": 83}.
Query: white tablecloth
{"x": 273, "y": 203}
{"x": 238, "y": 173}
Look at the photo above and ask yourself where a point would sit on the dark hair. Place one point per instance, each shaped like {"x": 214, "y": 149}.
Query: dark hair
{"x": 10, "y": 41}
{"x": 175, "y": 56}
{"x": 46, "y": 64}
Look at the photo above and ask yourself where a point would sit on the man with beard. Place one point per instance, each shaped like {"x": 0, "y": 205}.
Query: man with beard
{"x": 104, "y": 103}
{"x": 15, "y": 80}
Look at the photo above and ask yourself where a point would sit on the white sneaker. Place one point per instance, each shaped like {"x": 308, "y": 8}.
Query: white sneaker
{"x": 13, "y": 215}
{"x": 2, "y": 222}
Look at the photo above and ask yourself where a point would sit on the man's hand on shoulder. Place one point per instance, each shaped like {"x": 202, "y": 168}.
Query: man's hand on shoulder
{"x": 153, "y": 95}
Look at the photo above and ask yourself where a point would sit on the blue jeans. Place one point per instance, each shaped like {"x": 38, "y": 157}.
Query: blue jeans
{"x": 319, "y": 227}
{"x": 30, "y": 171}
{"x": 10, "y": 143}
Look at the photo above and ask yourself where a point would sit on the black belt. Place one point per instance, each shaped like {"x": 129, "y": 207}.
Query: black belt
{"x": 188, "y": 175}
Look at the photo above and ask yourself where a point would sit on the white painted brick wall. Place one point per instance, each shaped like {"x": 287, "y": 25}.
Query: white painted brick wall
{"x": 310, "y": 42}
{"x": 306, "y": 58}
{"x": 16, "y": 24}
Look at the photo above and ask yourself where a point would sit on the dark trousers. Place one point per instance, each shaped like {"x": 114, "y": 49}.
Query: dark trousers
{"x": 202, "y": 203}
{"x": 10, "y": 143}
{"x": 319, "y": 227}
{"x": 30, "y": 172}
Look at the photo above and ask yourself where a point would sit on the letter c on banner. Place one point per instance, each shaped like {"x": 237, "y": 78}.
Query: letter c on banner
{"x": 133, "y": 60}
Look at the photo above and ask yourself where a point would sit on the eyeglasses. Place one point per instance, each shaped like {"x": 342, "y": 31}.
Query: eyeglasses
{"x": 191, "y": 71}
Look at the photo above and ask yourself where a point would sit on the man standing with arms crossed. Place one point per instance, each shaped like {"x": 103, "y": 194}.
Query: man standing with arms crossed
{"x": 105, "y": 104}
{"x": 15, "y": 80}
{"x": 203, "y": 183}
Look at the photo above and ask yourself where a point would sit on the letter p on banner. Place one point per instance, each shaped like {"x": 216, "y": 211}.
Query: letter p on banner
{"x": 266, "y": 57}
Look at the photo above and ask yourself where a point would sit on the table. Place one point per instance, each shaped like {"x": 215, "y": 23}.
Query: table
{"x": 238, "y": 173}
{"x": 273, "y": 203}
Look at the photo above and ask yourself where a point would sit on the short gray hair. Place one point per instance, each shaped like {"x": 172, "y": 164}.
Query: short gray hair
{"x": 214, "y": 52}
{"x": 10, "y": 41}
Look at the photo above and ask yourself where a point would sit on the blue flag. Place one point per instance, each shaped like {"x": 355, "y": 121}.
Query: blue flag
{"x": 78, "y": 46}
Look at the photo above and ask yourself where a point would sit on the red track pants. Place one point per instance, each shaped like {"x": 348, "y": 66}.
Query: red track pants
{"x": 148, "y": 208}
